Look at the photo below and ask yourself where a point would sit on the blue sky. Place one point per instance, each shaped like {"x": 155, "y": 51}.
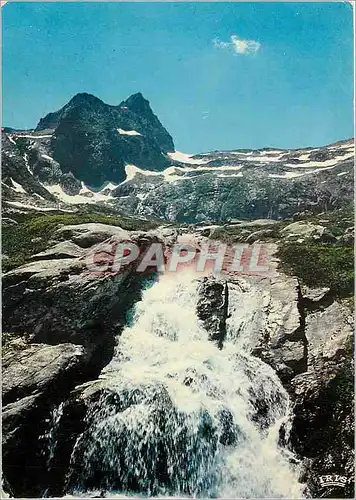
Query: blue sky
{"x": 218, "y": 75}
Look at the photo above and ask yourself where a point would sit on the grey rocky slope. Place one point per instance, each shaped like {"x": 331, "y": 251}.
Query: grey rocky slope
{"x": 226, "y": 185}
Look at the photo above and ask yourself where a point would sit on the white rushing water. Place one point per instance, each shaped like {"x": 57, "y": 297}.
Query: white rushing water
{"x": 178, "y": 417}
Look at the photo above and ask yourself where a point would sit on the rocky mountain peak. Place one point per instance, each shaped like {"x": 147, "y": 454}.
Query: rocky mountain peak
{"x": 137, "y": 103}
{"x": 83, "y": 99}
{"x": 95, "y": 140}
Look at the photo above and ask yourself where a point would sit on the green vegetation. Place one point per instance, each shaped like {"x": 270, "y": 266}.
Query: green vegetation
{"x": 320, "y": 265}
{"x": 33, "y": 232}
{"x": 339, "y": 217}
{"x": 335, "y": 221}
{"x": 239, "y": 234}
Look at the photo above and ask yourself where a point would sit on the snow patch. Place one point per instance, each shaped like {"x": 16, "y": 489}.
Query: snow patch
{"x": 127, "y": 132}
{"x": 203, "y": 228}
{"x": 38, "y": 196}
{"x": 186, "y": 158}
{"x": 170, "y": 173}
{"x": 240, "y": 174}
{"x": 46, "y": 157}
{"x": 84, "y": 189}
{"x": 109, "y": 186}
{"x": 264, "y": 158}
{"x": 287, "y": 175}
{"x": 35, "y": 136}
{"x": 304, "y": 157}
{"x": 141, "y": 196}
{"x": 132, "y": 170}
{"x": 17, "y": 187}
{"x": 18, "y": 204}
{"x": 326, "y": 163}
{"x": 80, "y": 198}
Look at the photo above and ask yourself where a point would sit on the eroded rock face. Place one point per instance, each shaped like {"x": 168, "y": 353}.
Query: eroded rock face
{"x": 35, "y": 380}
{"x": 323, "y": 416}
{"x": 284, "y": 345}
{"x": 59, "y": 299}
{"x": 212, "y": 308}
{"x": 263, "y": 314}
{"x": 328, "y": 334}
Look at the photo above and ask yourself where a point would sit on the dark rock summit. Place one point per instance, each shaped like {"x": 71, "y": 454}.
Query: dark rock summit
{"x": 95, "y": 141}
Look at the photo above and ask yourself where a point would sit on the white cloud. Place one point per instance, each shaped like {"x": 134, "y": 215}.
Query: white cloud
{"x": 238, "y": 45}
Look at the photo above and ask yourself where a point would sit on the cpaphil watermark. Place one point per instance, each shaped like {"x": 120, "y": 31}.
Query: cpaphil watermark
{"x": 211, "y": 257}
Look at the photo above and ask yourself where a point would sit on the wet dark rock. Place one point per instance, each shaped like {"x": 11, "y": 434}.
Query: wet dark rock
{"x": 212, "y": 308}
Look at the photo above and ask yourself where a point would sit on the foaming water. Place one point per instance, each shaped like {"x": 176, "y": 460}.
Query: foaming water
{"x": 178, "y": 417}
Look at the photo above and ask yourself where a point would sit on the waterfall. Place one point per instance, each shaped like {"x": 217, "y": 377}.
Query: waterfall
{"x": 178, "y": 417}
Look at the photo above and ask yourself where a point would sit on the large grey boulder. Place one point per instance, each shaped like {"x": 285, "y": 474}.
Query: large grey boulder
{"x": 328, "y": 334}
{"x": 63, "y": 300}
{"x": 322, "y": 427}
{"x": 62, "y": 250}
{"x": 303, "y": 229}
{"x": 314, "y": 294}
{"x": 36, "y": 378}
{"x": 89, "y": 234}
{"x": 33, "y": 368}
{"x": 307, "y": 230}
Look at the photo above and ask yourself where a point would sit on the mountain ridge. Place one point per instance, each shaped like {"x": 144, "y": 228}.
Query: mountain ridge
{"x": 121, "y": 155}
